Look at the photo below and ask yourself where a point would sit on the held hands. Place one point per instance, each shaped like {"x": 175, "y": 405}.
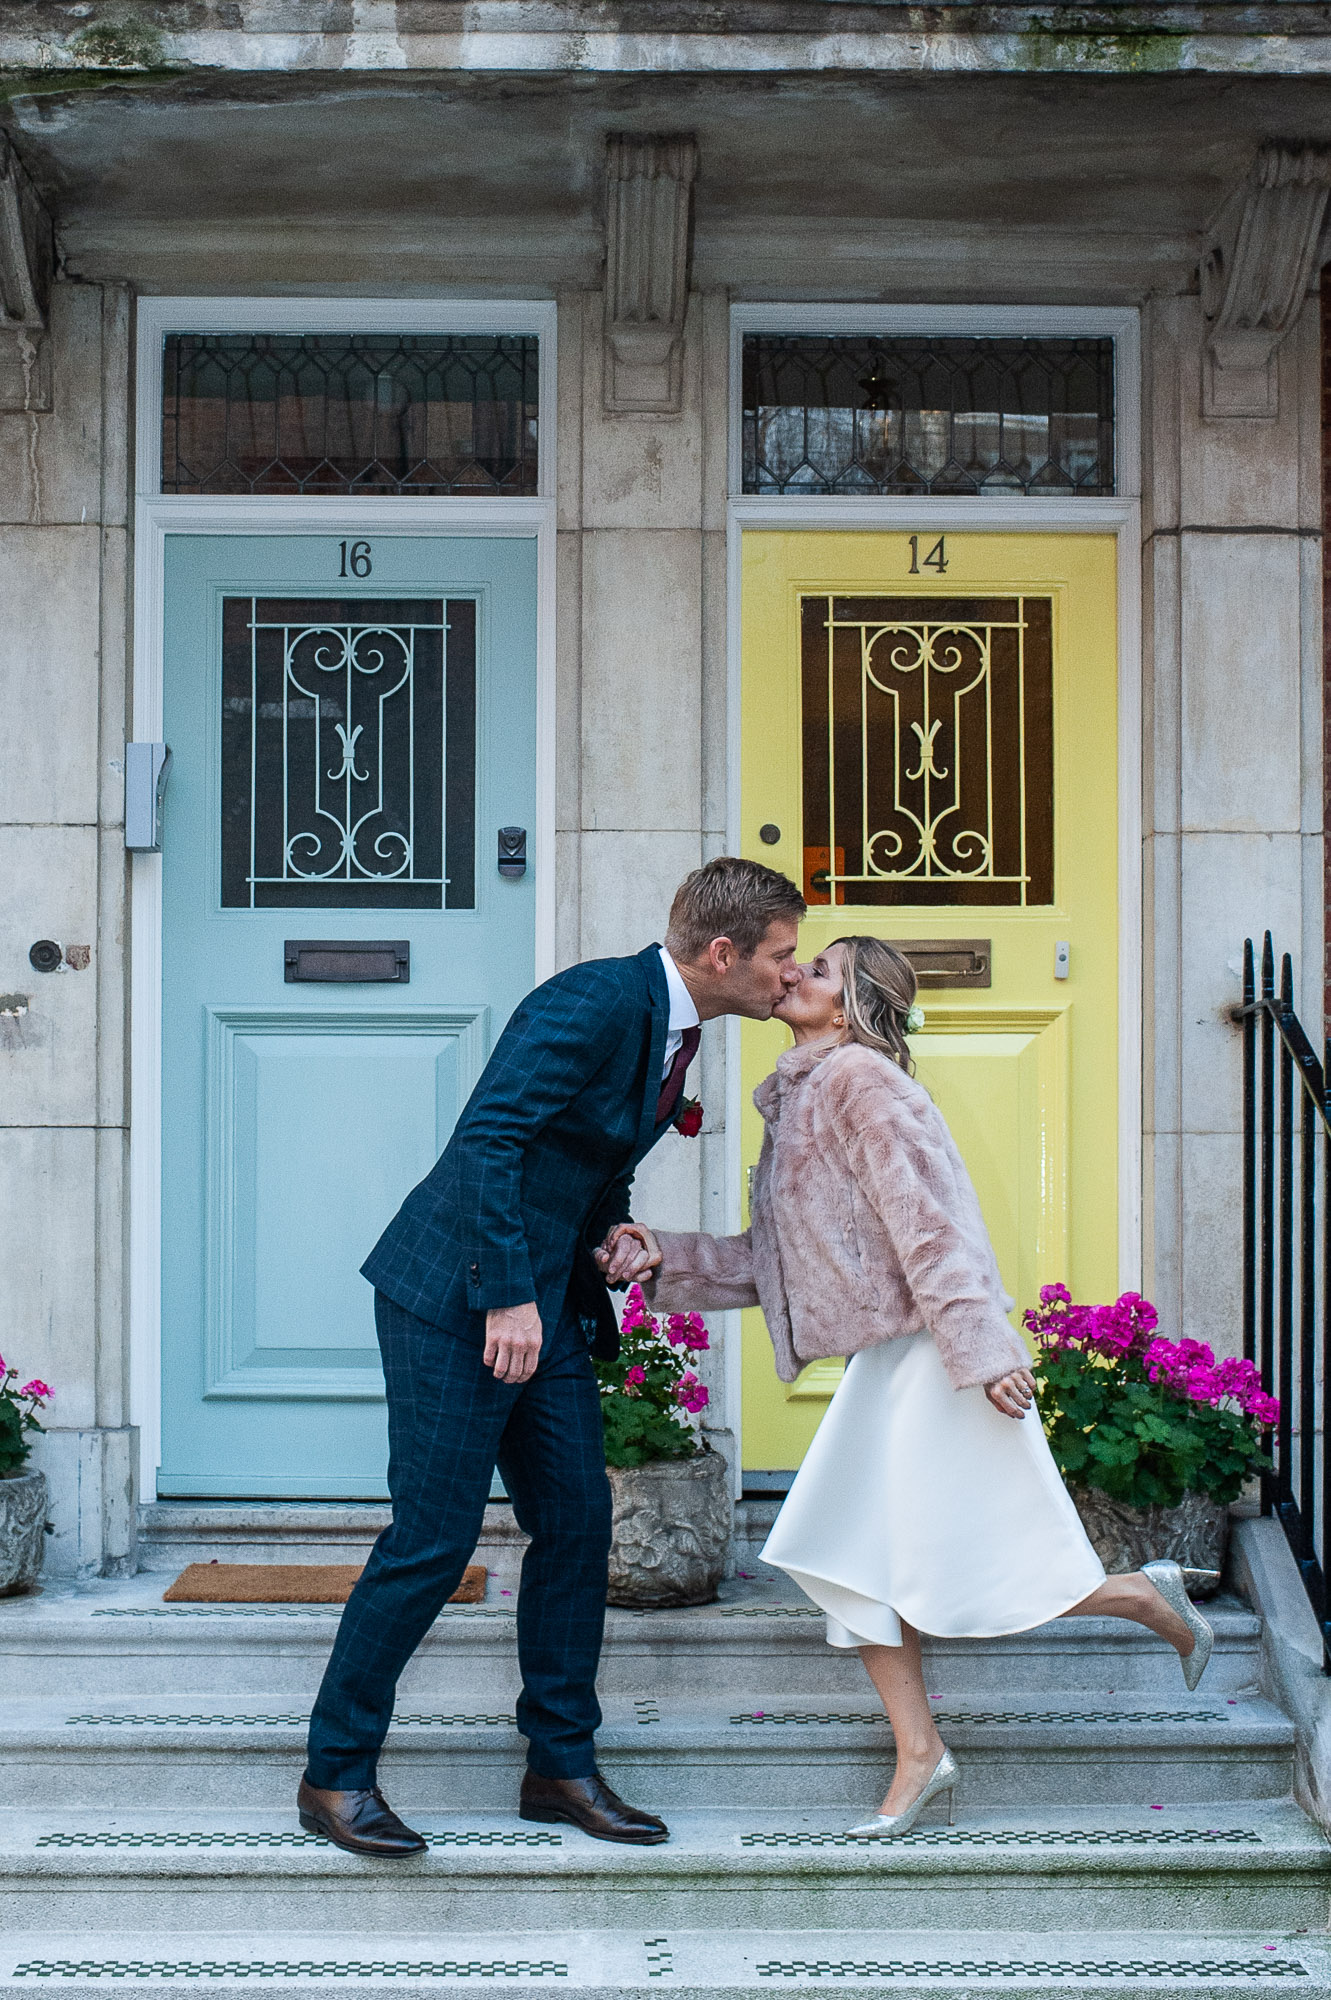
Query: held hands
{"x": 629, "y": 1254}
{"x": 513, "y": 1342}
{"x": 1012, "y": 1394}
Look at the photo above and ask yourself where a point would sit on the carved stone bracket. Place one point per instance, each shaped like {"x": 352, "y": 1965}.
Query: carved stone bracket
{"x": 27, "y": 265}
{"x": 1255, "y": 271}
{"x": 648, "y": 212}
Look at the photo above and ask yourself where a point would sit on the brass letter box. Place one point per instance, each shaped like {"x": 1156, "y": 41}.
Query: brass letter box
{"x": 948, "y": 961}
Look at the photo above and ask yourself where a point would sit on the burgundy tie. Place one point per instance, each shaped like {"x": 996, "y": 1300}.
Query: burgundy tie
{"x": 673, "y": 1087}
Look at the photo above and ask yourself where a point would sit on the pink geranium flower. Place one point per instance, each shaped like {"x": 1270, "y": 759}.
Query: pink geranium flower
{"x": 37, "y": 1389}
{"x": 690, "y": 1393}
{"x": 686, "y": 1330}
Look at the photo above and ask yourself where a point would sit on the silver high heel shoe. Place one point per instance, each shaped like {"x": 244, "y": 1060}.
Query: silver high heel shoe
{"x": 1168, "y": 1580}
{"x": 887, "y": 1826}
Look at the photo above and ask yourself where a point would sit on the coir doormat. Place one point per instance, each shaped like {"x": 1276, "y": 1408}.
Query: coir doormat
{"x": 289, "y": 1583}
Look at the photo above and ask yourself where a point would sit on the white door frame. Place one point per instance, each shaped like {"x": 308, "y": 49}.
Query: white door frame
{"x": 1119, "y": 516}
{"x": 158, "y": 515}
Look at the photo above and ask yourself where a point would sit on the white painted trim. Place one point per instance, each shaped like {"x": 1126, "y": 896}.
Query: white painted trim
{"x": 157, "y": 516}
{"x": 1120, "y": 324}
{"x": 1120, "y": 517}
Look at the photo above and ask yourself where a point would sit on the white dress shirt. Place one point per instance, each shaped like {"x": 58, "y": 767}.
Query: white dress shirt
{"x": 683, "y": 1013}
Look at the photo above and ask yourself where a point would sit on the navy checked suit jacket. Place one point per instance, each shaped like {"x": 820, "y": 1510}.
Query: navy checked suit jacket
{"x": 542, "y": 1159}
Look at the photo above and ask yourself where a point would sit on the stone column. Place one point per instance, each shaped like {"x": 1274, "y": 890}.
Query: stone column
{"x": 1232, "y": 780}
{"x": 64, "y": 549}
{"x": 641, "y": 690}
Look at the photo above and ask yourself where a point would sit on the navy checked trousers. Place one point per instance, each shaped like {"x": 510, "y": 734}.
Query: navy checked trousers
{"x": 449, "y": 1423}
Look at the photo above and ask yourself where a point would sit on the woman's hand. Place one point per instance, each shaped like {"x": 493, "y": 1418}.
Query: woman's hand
{"x": 1012, "y": 1394}
{"x": 629, "y": 1254}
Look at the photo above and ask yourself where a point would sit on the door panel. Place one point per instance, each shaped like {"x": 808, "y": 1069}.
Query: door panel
{"x": 939, "y": 753}
{"x": 343, "y": 754}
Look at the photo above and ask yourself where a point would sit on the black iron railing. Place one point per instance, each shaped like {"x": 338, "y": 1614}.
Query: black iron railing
{"x": 1287, "y": 1257}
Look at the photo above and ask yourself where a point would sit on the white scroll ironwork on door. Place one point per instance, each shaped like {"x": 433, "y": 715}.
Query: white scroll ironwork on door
{"x": 348, "y": 753}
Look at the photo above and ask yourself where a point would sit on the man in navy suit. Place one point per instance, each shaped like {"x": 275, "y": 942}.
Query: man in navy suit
{"x": 490, "y": 1298}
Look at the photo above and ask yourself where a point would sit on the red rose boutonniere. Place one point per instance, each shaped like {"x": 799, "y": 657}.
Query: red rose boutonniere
{"x": 688, "y": 1119}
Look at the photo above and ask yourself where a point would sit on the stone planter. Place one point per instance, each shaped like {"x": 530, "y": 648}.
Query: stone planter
{"x": 672, "y": 1529}
{"x": 1195, "y": 1535}
{"x": 22, "y": 1530}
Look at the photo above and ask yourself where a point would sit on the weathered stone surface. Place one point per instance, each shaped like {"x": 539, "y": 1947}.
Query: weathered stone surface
{"x": 22, "y": 1530}
{"x": 1195, "y": 1535}
{"x": 672, "y": 1528}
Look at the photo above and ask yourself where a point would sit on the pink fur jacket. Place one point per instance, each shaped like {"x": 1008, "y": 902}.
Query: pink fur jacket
{"x": 865, "y": 1226}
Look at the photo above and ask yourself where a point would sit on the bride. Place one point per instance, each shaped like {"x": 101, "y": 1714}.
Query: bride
{"x": 929, "y": 1500}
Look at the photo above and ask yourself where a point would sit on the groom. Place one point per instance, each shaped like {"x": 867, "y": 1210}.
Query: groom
{"x": 489, "y": 1305}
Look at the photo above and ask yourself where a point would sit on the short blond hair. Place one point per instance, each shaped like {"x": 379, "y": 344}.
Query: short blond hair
{"x": 729, "y": 898}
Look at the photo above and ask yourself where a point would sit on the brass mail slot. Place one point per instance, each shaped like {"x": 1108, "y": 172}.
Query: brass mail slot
{"x": 949, "y": 961}
{"x": 361, "y": 961}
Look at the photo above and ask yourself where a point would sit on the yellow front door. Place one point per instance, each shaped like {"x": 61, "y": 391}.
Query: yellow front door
{"x": 930, "y": 748}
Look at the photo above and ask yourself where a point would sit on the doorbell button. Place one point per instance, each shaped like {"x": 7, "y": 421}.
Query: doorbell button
{"x": 45, "y": 955}
{"x": 769, "y": 834}
{"x": 1062, "y": 957}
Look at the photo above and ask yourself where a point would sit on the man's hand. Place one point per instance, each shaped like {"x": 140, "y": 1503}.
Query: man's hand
{"x": 513, "y": 1342}
{"x": 630, "y": 1253}
{"x": 1012, "y": 1394}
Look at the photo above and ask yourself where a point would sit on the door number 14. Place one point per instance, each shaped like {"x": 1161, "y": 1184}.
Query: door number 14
{"x": 936, "y": 558}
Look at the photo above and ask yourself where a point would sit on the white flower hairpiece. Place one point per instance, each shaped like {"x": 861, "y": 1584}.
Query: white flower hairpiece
{"x": 914, "y": 1020}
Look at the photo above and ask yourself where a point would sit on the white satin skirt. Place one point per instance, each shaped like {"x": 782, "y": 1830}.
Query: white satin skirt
{"x": 923, "y": 1502}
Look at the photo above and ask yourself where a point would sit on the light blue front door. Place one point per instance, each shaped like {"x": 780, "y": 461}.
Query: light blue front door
{"x": 351, "y": 720}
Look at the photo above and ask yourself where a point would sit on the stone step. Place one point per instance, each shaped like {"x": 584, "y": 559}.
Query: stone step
{"x": 664, "y": 1750}
{"x": 117, "y": 1639}
{"x": 175, "y": 1532}
{"x": 1231, "y": 1866}
{"x": 724, "y": 1964}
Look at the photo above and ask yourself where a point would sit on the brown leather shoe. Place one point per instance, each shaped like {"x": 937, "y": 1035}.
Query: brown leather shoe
{"x": 362, "y": 1822}
{"x": 590, "y": 1804}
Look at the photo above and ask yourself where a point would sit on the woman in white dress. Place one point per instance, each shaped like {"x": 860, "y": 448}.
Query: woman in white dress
{"x": 929, "y": 1500}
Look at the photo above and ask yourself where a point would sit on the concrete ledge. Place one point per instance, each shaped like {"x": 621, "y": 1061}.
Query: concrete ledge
{"x": 1293, "y": 1677}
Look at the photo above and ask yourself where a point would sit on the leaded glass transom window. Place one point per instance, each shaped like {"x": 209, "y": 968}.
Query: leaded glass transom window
{"x": 952, "y": 415}
{"x": 928, "y": 750}
{"x": 348, "y": 736}
{"x": 422, "y": 414}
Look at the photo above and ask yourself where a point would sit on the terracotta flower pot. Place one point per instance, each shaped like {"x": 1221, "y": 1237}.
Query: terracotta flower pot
{"x": 672, "y": 1528}
{"x": 22, "y": 1530}
{"x": 1195, "y": 1535}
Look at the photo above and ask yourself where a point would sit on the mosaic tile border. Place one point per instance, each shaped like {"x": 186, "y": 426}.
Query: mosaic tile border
{"x": 1041, "y": 1968}
{"x": 1146, "y": 1836}
{"x": 806, "y": 1718}
{"x": 294, "y": 1718}
{"x": 303, "y": 1968}
{"x": 170, "y": 1838}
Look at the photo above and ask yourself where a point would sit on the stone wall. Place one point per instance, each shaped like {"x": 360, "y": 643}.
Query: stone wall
{"x": 1232, "y": 820}
{"x": 64, "y": 497}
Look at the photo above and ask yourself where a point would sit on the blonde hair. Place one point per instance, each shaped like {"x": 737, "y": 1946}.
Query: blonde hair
{"x": 878, "y": 988}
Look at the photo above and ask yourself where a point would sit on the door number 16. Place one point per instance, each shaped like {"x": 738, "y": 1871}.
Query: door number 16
{"x": 936, "y": 558}
{"x": 357, "y": 559}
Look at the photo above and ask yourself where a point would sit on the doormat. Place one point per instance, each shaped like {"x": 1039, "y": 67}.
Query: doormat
{"x": 289, "y": 1583}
